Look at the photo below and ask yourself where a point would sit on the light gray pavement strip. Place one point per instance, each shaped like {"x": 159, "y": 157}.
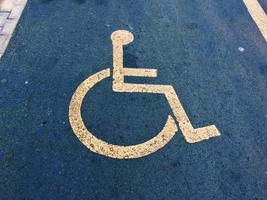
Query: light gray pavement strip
{"x": 10, "y": 12}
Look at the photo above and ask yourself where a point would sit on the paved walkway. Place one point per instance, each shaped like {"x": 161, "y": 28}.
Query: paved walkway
{"x": 10, "y": 12}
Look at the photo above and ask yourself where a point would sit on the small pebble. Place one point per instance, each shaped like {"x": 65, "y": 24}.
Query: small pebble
{"x": 3, "y": 80}
{"x": 49, "y": 111}
{"x": 241, "y": 49}
{"x": 130, "y": 27}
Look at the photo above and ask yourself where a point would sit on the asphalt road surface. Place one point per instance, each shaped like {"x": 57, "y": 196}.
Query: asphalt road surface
{"x": 210, "y": 51}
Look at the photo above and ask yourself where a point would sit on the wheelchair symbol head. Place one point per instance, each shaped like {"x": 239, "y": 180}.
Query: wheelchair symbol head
{"x": 122, "y": 37}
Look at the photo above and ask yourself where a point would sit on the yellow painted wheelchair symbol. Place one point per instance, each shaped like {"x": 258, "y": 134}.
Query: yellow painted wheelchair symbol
{"x": 119, "y": 39}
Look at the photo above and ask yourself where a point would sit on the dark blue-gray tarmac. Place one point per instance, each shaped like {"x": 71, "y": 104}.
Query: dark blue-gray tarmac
{"x": 193, "y": 44}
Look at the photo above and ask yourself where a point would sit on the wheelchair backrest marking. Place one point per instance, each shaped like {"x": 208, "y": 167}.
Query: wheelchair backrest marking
{"x": 119, "y": 39}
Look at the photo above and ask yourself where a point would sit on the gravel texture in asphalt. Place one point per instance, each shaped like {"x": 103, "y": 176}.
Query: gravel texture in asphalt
{"x": 210, "y": 51}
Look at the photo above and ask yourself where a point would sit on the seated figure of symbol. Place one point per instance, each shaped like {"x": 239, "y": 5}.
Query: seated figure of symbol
{"x": 119, "y": 39}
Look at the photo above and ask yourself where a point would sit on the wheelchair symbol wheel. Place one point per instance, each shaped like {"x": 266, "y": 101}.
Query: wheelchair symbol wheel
{"x": 120, "y": 38}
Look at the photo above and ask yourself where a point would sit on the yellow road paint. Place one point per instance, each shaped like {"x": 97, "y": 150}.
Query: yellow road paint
{"x": 139, "y": 72}
{"x": 258, "y": 15}
{"x": 119, "y": 39}
{"x": 99, "y": 146}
